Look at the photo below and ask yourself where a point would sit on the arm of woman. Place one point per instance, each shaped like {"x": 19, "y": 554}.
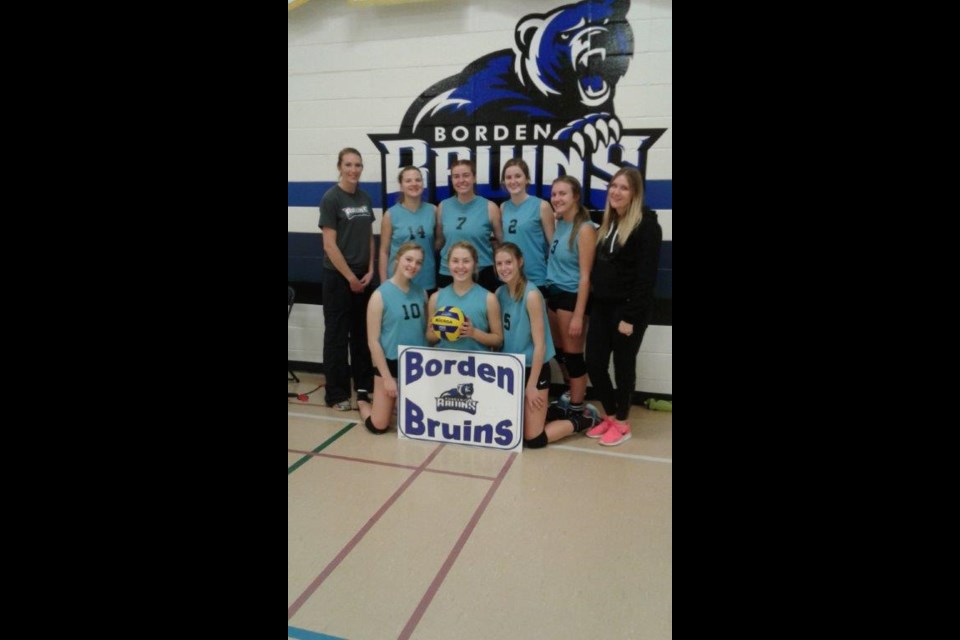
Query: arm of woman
{"x": 431, "y": 311}
{"x": 386, "y": 235}
{"x": 496, "y": 221}
{"x": 539, "y": 338}
{"x": 438, "y": 239}
{"x": 547, "y": 220}
{"x": 368, "y": 276}
{"x": 336, "y": 257}
{"x": 637, "y": 308}
{"x": 374, "y": 319}
{"x": 494, "y": 337}
{"x": 587, "y": 245}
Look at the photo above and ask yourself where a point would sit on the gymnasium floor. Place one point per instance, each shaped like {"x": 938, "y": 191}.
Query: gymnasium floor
{"x": 390, "y": 538}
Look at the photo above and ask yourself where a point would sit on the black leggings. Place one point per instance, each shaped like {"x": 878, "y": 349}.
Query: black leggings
{"x": 604, "y": 339}
{"x": 345, "y": 329}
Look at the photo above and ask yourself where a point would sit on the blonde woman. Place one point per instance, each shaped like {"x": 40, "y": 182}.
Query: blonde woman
{"x": 526, "y": 331}
{"x": 409, "y": 220}
{"x": 468, "y": 217}
{"x": 568, "y": 284}
{"x": 346, "y": 218}
{"x": 623, "y": 277}
{"x": 397, "y": 314}
{"x": 527, "y": 221}
{"x": 481, "y": 330}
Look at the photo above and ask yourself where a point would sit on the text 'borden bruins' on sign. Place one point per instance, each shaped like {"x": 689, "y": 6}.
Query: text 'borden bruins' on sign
{"x": 548, "y": 100}
{"x": 463, "y": 397}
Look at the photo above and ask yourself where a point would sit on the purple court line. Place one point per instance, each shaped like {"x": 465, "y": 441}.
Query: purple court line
{"x": 292, "y": 609}
{"x": 438, "y": 580}
{"x": 457, "y": 473}
{"x": 388, "y": 464}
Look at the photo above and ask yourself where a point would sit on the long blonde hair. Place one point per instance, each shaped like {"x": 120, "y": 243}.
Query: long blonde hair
{"x": 520, "y": 285}
{"x": 582, "y": 214}
{"x": 634, "y": 215}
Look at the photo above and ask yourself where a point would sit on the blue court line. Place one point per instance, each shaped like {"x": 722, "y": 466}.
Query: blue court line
{"x": 303, "y": 634}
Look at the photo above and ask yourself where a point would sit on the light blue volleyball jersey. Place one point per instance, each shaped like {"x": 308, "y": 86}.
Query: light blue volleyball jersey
{"x": 523, "y": 227}
{"x": 417, "y": 226}
{"x": 563, "y": 267}
{"x": 474, "y": 306}
{"x": 516, "y": 324}
{"x": 470, "y": 222}
{"x": 404, "y": 318}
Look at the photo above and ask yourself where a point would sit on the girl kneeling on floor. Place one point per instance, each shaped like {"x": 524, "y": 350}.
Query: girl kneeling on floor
{"x": 526, "y": 330}
{"x": 396, "y": 314}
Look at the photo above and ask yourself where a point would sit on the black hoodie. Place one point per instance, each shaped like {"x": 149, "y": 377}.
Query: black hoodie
{"x": 628, "y": 274}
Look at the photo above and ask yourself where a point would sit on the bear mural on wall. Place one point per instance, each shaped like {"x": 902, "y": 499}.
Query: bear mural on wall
{"x": 564, "y": 67}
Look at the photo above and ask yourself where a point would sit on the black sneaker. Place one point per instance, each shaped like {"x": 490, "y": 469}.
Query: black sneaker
{"x": 587, "y": 419}
{"x": 555, "y": 411}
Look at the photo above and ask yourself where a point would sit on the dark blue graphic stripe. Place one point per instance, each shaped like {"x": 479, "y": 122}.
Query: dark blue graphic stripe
{"x": 308, "y": 194}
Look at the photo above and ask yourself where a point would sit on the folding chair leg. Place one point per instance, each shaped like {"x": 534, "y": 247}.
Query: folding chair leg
{"x": 292, "y": 377}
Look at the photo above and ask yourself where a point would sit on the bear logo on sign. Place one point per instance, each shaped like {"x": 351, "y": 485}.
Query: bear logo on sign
{"x": 458, "y": 399}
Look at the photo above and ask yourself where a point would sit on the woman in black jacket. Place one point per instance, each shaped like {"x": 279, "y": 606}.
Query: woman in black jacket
{"x": 622, "y": 280}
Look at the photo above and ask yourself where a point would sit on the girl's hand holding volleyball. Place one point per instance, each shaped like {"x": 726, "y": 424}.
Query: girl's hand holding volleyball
{"x": 466, "y": 329}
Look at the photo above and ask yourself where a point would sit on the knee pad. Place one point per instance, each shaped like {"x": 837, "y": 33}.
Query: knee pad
{"x": 368, "y": 423}
{"x": 576, "y": 366}
{"x": 537, "y": 442}
{"x": 560, "y": 357}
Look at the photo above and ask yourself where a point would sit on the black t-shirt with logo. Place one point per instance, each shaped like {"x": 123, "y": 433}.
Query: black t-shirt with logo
{"x": 351, "y": 215}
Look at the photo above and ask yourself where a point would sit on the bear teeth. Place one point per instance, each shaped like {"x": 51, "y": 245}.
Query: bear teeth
{"x": 584, "y": 60}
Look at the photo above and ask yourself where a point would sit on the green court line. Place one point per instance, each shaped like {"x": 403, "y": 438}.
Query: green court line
{"x": 329, "y": 441}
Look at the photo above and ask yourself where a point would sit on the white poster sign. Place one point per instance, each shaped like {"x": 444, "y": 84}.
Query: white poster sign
{"x": 463, "y": 397}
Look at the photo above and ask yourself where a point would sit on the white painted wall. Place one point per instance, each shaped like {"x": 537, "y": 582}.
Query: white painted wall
{"x": 353, "y": 70}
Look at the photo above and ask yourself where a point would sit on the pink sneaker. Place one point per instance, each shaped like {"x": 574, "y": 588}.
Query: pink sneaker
{"x": 618, "y": 433}
{"x": 600, "y": 429}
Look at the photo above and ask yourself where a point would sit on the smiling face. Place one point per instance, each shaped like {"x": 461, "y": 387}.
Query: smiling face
{"x": 461, "y": 264}
{"x": 410, "y": 262}
{"x": 562, "y": 199}
{"x": 508, "y": 267}
{"x": 411, "y": 183}
{"x": 463, "y": 180}
{"x": 619, "y": 194}
{"x": 515, "y": 180}
{"x": 350, "y": 166}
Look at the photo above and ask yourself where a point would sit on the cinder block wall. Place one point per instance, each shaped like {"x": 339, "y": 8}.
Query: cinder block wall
{"x": 355, "y": 69}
